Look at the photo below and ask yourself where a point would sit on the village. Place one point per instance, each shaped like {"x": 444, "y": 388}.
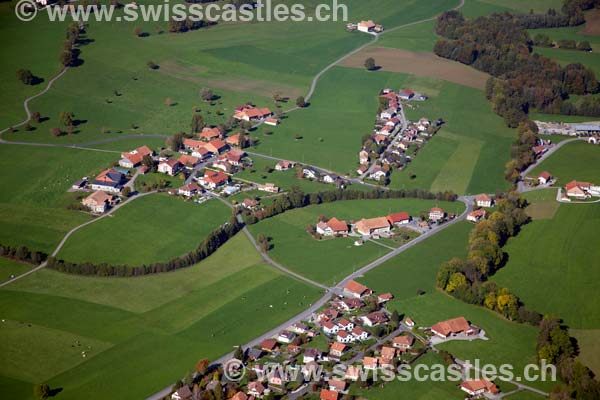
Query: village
{"x": 355, "y": 331}
{"x": 395, "y": 140}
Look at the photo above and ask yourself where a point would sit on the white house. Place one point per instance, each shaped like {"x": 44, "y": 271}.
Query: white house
{"x": 345, "y": 325}
{"x": 484, "y": 200}
{"x": 286, "y": 337}
{"x": 363, "y": 157}
{"x": 360, "y": 334}
{"x": 330, "y": 328}
{"x": 344, "y": 337}
{"x": 309, "y": 173}
{"x": 436, "y": 214}
{"x": 170, "y": 167}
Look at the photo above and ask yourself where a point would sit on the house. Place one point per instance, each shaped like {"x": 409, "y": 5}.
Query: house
{"x": 366, "y": 26}
{"x": 252, "y": 114}
{"x": 476, "y": 387}
{"x": 388, "y": 353}
{"x": 345, "y": 325}
{"x": 328, "y": 394}
{"x": 286, "y": 337}
{"x": 330, "y": 328}
{"x": 98, "y": 201}
{"x": 356, "y": 290}
{"x": 331, "y": 178}
{"x": 337, "y": 349}
{"x": 477, "y": 215}
{"x": 275, "y": 378}
{"x": 363, "y": 157}
{"x": 234, "y": 157}
{"x": 401, "y": 218}
{"x": 378, "y": 173}
{"x": 453, "y": 326}
{"x": 406, "y": 94}
{"x": 436, "y": 214}
{"x": 170, "y": 167}
{"x": 272, "y": 121}
{"x": 234, "y": 140}
{"x": 350, "y": 304}
{"x": 256, "y": 389}
{"x": 339, "y": 385}
{"x": 360, "y": 334}
{"x": 110, "y": 180}
{"x": 374, "y": 319}
{"x": 309, "y": 173}
{"x": 332, "y": 227}
{"x": 484, "y": 200}
{"x": 216, "y": 146}
{"x": 423, "y": 124}
{"x": 373, "y": 226}
{"x": 403, "y": 342}
{"x": 594, "y": 139}
{"x": 134, "y": 158}
{"x": 79, "y": 184}
{"x": 250, "y": 204}
{"x": 189, "y": 190}
{"x": 344, "y": 337}
{"x": 577, "y": 189}
{"x": 544, "y": 177}
{"x": 210, "y": 134}
{"x": 379, "y": 139}
{"x": 201, "y": 153}
{"x": 352, "y": 373}
{"x": 387, "y": 114}
{"x": 409, "y": 322}
{"x": 539, "y": 150}
{"x": 223, "y": 165}
{"x": 254, "y": 354}
{"x": 183, "y": 393}
{"x": 192, "y": 144}
{"x": 311, "y": 355}
{"x": 327, "y": 315}
{"x": 284, "y": 165}
{"x": 384, "y": 298}
{"x": 213, "y": 179}
{"x": 189, "y": 162}
{"x": 269, "y": 345}
{"x": 268, "y": 187}
{"x": 370, "y": 363}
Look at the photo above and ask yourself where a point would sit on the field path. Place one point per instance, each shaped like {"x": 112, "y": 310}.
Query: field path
{"x": 72, "y": 231}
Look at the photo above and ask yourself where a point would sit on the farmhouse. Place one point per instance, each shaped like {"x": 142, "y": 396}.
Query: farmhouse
{"x": 544, "y": 177}
{"x": 484, "y": 200}
{"x": 356, "y": 290}
{"x": 213, "y": 179}
{"x": 272, "y": 121}
{"x": 332, "y": 227}
{"x": 210, "y": 134}
{"x": 401, "y": 218}
{"x": 384, "y": 298}
{"x": 284, "y": 165}
{"x": 134, "y": 158}
{"x": 98, "y": 202}
{"x": 170, "y": 167}
{"x": 366, "y": 26}
{"x": 216, "y": 146}
{"x": 268, "y": 187}
{"x": 436, "y": 214}
{"x": 476, "y": 387}
{"x": 252, "y": 114}
{"x": 189, "y": 190}
{"x": 406, "y": 94}
{"x": 191, "y": 144}
{"x": 403, "y": 342}
{"x": 580, "y": 190}
{"x": 110, "y": 181}
{"x": 452, "y": 327}
{"x": 477, "y": 215}
{"x": 373, "y": 226}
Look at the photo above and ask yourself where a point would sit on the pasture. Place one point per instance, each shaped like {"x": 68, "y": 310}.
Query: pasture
{"x": 10, "y": 267}
{"x": 578, "y": 160}
{"x": 149, "y": 229}
{"x": 330, "y": 260}
{"x": 159, "y": 324}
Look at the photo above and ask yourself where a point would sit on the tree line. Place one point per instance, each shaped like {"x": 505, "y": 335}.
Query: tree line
{"x": 23, "y": 254}
{"x": 295, "y": 198}
{"x": 209, "y": 245}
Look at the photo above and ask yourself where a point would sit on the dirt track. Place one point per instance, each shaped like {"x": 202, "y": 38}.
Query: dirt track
{"x": 420, "y": 64}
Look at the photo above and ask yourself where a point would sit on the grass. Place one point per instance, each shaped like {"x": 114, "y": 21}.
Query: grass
{"x": 150, "y": 229}
{"x": 589, "y": 349}
{"x": 10, "y": 267}
{"x": 33, "y": 210}
{"x": 555, "y": 253}
{"x": 161, "y": 324}
{"x": 542, "y": 203}
{"x": 155, "y": 178}
{"x": 578, "y": 160}
{"x": 332, "y": 259}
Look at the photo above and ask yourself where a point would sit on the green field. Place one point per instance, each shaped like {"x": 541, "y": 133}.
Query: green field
{"x": 579, "y": 161}
{"x": 542, "y": 203}
{"x": 331, "y": 260}
{"x": 159, "y": 324}
{"x": 34, "y": 196}
{"x": 589, "y": 347}
{"x": 10, "y": 267}
{"x": 150, "y": 229}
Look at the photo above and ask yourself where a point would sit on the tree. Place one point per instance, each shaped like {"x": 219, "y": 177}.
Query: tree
{"x": 370, "y": 64}
{"x": 41, "y": 391}
{"x": 126, "y": 191}
{"x": 56, "y": 132}
{"x": 197, "y": 123}
{"x": 301, "y": 102}
{"x": 168, "y": 102}
{"x": 66, "y": 118}
{"x": 239, "y": 353}
{"x": 584, "y": 46}
{"x": 66, "y": 58}
{"x": 175, "y": 142}
{"x": 202, "y": 366}
{"x": 137, "y": 31}
{"x": 152, "y": 65}
{"x": 36, "y": 117}
{"x": 25, "y": 76}
{"x": 456, "y": 280}
{"x": 206, "y": 94}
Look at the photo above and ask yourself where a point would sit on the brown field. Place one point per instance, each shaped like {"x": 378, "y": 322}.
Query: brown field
{"x": 542, "y": 209}
{"x": 592, "y": 23}
{"x": 235, "y": 84}
{"x": 420, "y": 64}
